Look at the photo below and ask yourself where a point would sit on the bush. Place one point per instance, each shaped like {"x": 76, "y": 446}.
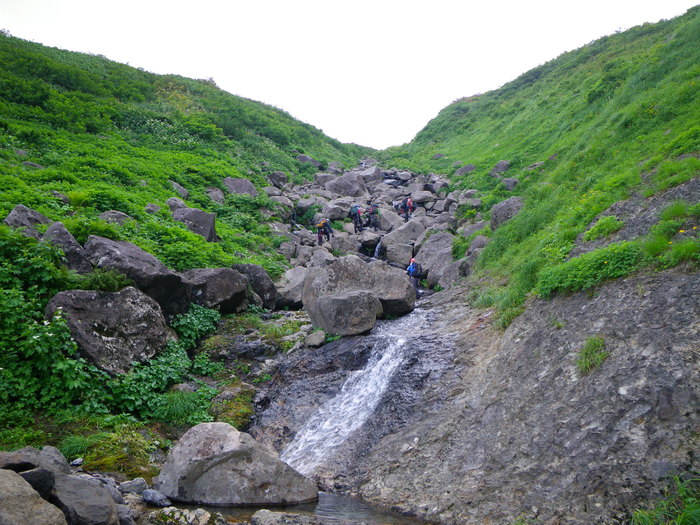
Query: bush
{"x": 604, "y": 227}
{"x": 591, "y": 269}
{"x": 681, "y": 506}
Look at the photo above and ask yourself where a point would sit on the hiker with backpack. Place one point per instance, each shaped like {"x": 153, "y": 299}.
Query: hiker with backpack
{"x": 356, "y": 216}
{"x": 372, "y": 213}
{"x": 324, "y": 230}
{"x": 414, "y": 271}
{"x": 407, "y": 207}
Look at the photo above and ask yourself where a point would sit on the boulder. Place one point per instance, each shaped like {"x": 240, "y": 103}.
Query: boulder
{"x": 349, "y": 185}
{"x": 84, "y": 502}
{"x": 113, "y": 330}
{"x": 155, "y": 498}
{"x": 305, "y": 159}
{"x": 405, "y": 234}
{"x": 29, "y": 458}
{"x": 175, "y": 204}
{"x": 278, "y": 179}
{"x": 290, "y": 288}
{"x": 344, "y": 243}
{"x": 467, "y": 168}
{"x": 217, "y": 195}
{"x": 115, "y": 217}
{"x": 149, "y": 274}
{"x": 389, "y": 219}
{"x": 41, "y": 479}
{"x": 423, "y": 197}
{"x": 468, "y": 229}
{"x": 272, "y": 191}
{"x": 322, "y": 178}
{"x": 75, "y": 258}
{"x": 222, "y": 288}
{"x": 20, "y": 504}
{"x": 337, "y": 209}
{"x": 348, "y": 312}
{"x": 240, "y": 187}
{"x": 152, "y": 208}
{"x": 198, "y": 221}
{"x": 320, "y": 257}
{"x": 472, "y": 203}
{"x": 260, "y": 282}
{"x": 454, "y": 272}
{"x": 373, "y": 174}
{"x": 499, "y": 168}
{"x": 435, "y": 255}
{"x": 182, "y": 192}
{"x": 389, "y": 285}
{"x": 510, "y": 183}
{"x": 398, "y": 253}
{"x": 215, "y": 464}
{"x": 505, "y": 210}
{"x": 136, "y": 485}
{"x": 26, "y": 220}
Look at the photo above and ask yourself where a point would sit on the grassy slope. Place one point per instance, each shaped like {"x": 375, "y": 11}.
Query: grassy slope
{"x": 112, "y": 137}
{"x": 598, "y": 118}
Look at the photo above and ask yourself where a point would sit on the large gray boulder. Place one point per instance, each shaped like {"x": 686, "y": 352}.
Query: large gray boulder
{"x": 240, "y": 187}
{"x": 454, "y": 272}
{"x": 217, "y": 195}
{"x": 75, "y": 258}
{"x": 398, "y": 253}
{"x": 330, "y": 285}
{"x": 84, "y": 502}
{"x": 26, "y": 220}
{"x": 198, "y": 221}
{"x": 349, "y": 185}
{"x": 337, "y": 209}
{"x": 149, "y": 274}
{"x": 215, "y": 464}
{"x": 505, "y": 210}
{"x": 20, "y": 504}
{"x": 278, "y": 179}
{"x": 290, "y": 288}
{"x": 115, "y": 217}
{"x": 423, "y": 197}
{"x": 113, "y": 330}
{"x": 182, "y": 192}
{"x": 435, "y": 255}
{"x": 222, "y": 288}
{"x": 407, "y": 233}
{"x": 260, "y": 282}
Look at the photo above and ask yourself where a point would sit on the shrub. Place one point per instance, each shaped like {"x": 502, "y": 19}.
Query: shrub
{"x": 604, "y": 227}
{"x": 676, "y": 210}
{"x": 591, "y": 268}
{"x": 688, "y": 250}
{"x": 195, "y": 324}
{"x": 591, "y": 355}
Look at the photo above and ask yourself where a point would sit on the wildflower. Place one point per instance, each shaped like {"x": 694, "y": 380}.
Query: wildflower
{"x": 605, "y": 262}
{"x": 681, "y": 231}
{"x": 670, "y": 242}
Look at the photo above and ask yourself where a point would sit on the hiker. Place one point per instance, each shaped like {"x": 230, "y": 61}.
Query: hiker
{"x": 356, "y": 216}
{"x": 414, "y": 271}
{"x": 324, "y": 230}
{"x": 372, "y": 213}
{"x": 407, "y": 206}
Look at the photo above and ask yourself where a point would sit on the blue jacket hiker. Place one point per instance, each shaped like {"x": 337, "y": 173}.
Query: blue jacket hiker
{"x": 414, "y": 271}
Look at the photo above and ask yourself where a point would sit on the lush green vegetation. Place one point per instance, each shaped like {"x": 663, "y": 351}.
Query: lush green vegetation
{"x": 80, "y": 135}
{"x": 579, "y": 131}
{"x": 591, "y": 355}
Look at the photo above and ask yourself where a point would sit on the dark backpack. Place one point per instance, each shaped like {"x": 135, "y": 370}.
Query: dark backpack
{"x": 374, "y": 209}
{"x": 354, "y": 211}
{"x": 417, "y": 270}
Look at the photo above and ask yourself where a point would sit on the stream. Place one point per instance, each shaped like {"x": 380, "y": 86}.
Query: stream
{"x": 336, "y": 420}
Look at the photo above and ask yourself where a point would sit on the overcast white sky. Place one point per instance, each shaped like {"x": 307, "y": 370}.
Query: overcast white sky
{"x": 373, "y": 72}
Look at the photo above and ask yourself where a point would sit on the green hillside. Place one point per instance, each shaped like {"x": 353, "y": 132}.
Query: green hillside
{"x": 110, "y": 136}
{"x": 597, "y": 119}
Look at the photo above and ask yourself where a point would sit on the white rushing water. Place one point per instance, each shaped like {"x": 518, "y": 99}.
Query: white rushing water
{"x": 340, "y": 416}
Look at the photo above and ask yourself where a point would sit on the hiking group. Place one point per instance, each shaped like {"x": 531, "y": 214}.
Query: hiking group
{"x": 372, "y": 214}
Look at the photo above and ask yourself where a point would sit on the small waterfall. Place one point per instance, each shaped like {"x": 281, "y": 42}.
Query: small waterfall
{"x": 340, "y": 416}
{"x": 378, "y": 249}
